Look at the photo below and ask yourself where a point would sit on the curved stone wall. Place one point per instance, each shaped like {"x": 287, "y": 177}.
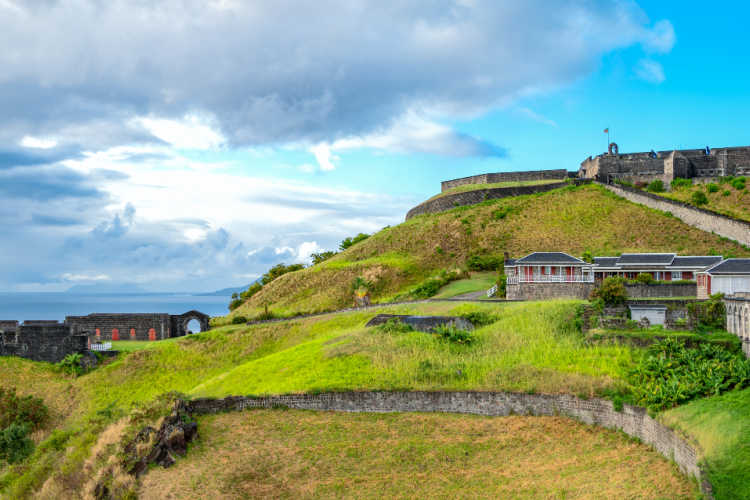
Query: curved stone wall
{"x": 529, "y": 175}
{"x": 450, "y": 201}
{"x": 631, "y": 420}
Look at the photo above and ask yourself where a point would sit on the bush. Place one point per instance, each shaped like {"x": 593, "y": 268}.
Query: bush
{"x": 238, "y": 320}
{"x": 480, "y": 318}
{"x": 235, "y": 303}
{"x": 644, "y": 278}
{"x": 15, "y": 444}
{"x": 431, "y": 286}
{"x": 679, "y": 182}
{"x": 394, "y": 325}
{"x": 28, "y": 410}
{"x": 671, "y": 374}
{"x": 71, "y": 364}
{"x": 279, "y": 270}
{"x": 712, "y": 188}
{"x": 317, "y": 258}
{"x": 483, "y": 263}
{"x": 726, "y": 192}
{"x": 611, "y": 292}
{"x": 454, "y": 335}
{"x": 738, "y": 183}
{"x": 656, "y": 186}
{"x": 699, "y": 198}
{"x": 252, "y": 290}
{"x": 710, "y": 314}
{"x": 352, "y": 240}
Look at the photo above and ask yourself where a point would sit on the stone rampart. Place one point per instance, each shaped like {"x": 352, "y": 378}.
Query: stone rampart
{"x": 450, "y": 201}
{"x": 527, "y": 176}
{"x": 631, "y": 420}
{"x": 135, "y": 326}
{"x": 44, "y": 341}
{"x": 662, "y": 290}
{"x": 738, "y": 319}
{"x": 728, "y": 227}
{"x": 546, "y": 291}
{"x": 423, "y": 323}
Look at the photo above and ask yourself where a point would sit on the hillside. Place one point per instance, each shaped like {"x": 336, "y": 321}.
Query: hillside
{"x": 722, "y": 197}
{"x": 572, "y": 219}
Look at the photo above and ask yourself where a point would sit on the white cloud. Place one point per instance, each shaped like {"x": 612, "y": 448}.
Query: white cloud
{"x": 660, "y": 39}
{"x": 306, "y": 249}
{"x": 38, "y": 142}
{"x": 650, "y": 71}
{"x": 537, "y": 117}
{"x": 84, "y": 277}
{"x": 191, "y": 132}
{"x": 323, "y": 155}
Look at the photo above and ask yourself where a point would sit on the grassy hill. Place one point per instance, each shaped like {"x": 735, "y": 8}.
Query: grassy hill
{"x": 724, "y": 198}
{"x": 572, "y": 219}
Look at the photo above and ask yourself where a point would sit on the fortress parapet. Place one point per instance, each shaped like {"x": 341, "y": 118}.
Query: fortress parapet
{"x": 530, "y": 175}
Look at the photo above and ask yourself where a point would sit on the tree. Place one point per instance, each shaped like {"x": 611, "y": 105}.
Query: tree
{"x": 317, "y": 258}
{"x": 15, "y": 444}
{"x": 611, "y": 292}
{"x": 644, "y": 278}
{"x": 352, "y": 240}
{"x": 279, "y": 270}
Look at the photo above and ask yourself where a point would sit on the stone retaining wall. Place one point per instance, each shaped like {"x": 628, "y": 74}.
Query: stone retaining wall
{"x": 706, "y": 220}
{"x": 529, "y": 175}
{"x": 631, "y": 420}
{"x": 450, "y": 201}
{"x": 546, "y": 291}
{"x": 662, "y": 290}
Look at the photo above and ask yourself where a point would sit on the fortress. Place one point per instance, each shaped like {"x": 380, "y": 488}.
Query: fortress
{"x": 666, "y": 165}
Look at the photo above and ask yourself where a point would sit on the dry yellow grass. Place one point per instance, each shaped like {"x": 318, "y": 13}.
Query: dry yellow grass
{"x": 304, "y": 454}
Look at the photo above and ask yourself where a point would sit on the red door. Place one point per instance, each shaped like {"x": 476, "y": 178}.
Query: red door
{"x": 151, "y": 334}
{"x": 569, "y": 273}
{"x": 98, "y": 334}
{"x": 708, "y": 283}
{"x": 115, "y": 334}
{"x": 132, "y": 334}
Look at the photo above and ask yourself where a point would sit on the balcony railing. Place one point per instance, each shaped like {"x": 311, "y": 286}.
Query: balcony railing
{"x": 551, "y": 278}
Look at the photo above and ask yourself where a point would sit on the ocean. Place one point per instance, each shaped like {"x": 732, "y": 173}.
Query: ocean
{"x": 55, "y": 306}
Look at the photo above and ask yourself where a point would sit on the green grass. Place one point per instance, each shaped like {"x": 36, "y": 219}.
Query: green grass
{"x": 640, "y": 337}
{"x": 395, "y": 259}
{"x": 137, "y": 345}
{"x": 476, "y": 187}
{"x": 479, "y": 281}
{"x": 736, "y": 204}
{"x": 721, "y": 426}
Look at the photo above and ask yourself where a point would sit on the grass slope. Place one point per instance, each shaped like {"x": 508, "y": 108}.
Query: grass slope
{"x": 304, "y": 454}
{"x": 727, "y": 200}
{"x": 572, "y": 219}
{"x": 478, "y": 282}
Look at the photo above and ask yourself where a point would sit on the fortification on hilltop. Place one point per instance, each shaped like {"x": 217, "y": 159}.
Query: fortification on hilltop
{"x": 527, "y": 176}
{"x": 666, "y": 165}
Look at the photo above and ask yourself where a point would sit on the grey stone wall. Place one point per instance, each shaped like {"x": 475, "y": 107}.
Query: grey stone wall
{"x": 705, "y": 220}
{"x": 450, "y": 201}
{"x": 49, "y": 342}
{"x": 631, "y": 420}
{"x": 662, "y": 290}
{"x": 544, "y": 291}
{"x": 529, "y": 175}
{"x": 738, "y": 318}
{"x": 423, "y": 323}
{"x": 135, "y": 326}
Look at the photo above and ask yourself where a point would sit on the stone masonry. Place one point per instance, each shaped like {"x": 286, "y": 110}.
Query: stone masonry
{"x": 738, "y": 318}
{"x": 136, "y": 326}
{"x": 705, "y": 220}
{"x": 545, "y": 291}
{"x": 662, "y": 290}
{"x": 631, "y": 420}
{"x": 530, "y": 175}
{"x": 40, "y": 341}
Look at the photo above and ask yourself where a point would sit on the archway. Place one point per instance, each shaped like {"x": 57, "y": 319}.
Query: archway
{"x": 193, "y": 326}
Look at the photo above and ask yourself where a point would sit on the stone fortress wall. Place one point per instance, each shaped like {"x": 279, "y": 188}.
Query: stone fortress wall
{"x": 738, "y": 318}
{"x": 530, "y": 175}
{"x": 631, "y": 420}
{"x": 40, "y": 340}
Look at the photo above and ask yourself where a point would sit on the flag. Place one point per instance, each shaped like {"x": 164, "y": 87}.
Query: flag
{"x": 606, "y": 130}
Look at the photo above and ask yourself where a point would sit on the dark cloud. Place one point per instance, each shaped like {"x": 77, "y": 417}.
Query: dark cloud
{"x": 47, "y": 183}
{"x": 53, "y": 220}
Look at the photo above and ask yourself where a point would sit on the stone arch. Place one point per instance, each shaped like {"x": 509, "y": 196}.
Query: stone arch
{"x": 613, "y": 149}
{"x": 180, "y": 322}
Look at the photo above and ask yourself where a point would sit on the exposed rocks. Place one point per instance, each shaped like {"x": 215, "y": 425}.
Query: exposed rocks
{"x": 423, "y": 323}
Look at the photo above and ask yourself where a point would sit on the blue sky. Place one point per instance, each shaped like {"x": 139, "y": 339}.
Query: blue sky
{"x": 191, "y": 145}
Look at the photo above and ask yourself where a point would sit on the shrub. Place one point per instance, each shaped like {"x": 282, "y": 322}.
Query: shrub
{"x": 712, "y": 188}
{"x": 640, "y": 184}
{"x": 251, "y": 290}
{"x": 656, "y": 186}
{"x": 644, "y": 278}
{"x": 480, "y": 318}
{"x": 738, "y": 183}
{"x": 352, "y": 240}
{"x": 483, "y": 263}
{"x": 71, "y": 364}
{"x": 726, "y": 192}
{"x": 317, "y": 258}
{"x": 28, "y": 410}
{"x": 15, "y": 444}
{"x": 502, "y": 286}
{"x": 238, "y": 320}
{"x": 671, "y": 374}
{"x": 235, "y": 303}
{"x": 710, "y": 314}
{"x": 454, "y": 335}
{"x": 279, "y": 270}
{"x": 587, "y": 256}
{"x": 394, "y": 325}
{"x": 679, "y": 182}
{"x": 611, "y": 292}
{"x": 502, "y": 212}
{"x": 699, "y": 198}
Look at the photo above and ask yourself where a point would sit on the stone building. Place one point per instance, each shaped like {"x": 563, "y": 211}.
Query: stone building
{"x": 40, "y": 340}
{"x": 666, "y": 165}
{"x": 136, "y": 326}
{"x": 547, "y": 275}
{"x": 738, "y": 318}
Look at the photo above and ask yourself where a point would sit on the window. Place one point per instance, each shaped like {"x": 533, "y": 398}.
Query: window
{"x": 677, "y": 275}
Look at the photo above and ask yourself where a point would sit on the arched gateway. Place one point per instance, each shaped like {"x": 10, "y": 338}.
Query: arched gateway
{"x": 135, "y": 326}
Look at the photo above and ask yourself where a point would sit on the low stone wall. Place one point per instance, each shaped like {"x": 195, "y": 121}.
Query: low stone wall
{"x": 662, "y": 290}
{"x": 706, "y": 220}
{"x": 631, "y": 420}
{"x": 450, "y": 201}
{"x": 529, "y": 175}
{"x": 544, "y": 291}
{"x": 423, "y": 323}
{"x": 49, "y": 342}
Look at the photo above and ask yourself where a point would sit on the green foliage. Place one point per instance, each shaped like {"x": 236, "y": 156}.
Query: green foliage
{"x": 611, "y": 292}
{"x": 709, "y": 314}
{"x": 394, "y": 326}
{"x": 28, "y": 410}
{"x": 361, "y": 285}
{"x": 71, "y": 364}
{"x": 504, "y": 211}
{"x": 712, "y": 188}
{"x": 738, "y": 183}
{"x": 279, "y": 270}
{"x": 352, "y": 240}
{"x": 656, "y": 186}
{"x": 502, "y": 286}
{"x": 431, "y": 286}
{"x": 699, "y": 198}
{"x": 317, "y": 258}
{"x": 587, "y": 256}
{"x": 238, "y": 320}
{"x": 644, "y": 278}
{"x": 484, "y": 262}
{"x": 15, "y": 444}
{"x": 480, "y": 318}
{"x": 454, "y": 335}
{"x": 235, "y": 303}
{"x": 252, "y": 290}
{"x": 726, "y": 192}
{"x": 679, "y": 182}
{"x": 671, "y": 374}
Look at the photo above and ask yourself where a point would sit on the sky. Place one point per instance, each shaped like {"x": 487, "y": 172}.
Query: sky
{"x": 190, "y": 145}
